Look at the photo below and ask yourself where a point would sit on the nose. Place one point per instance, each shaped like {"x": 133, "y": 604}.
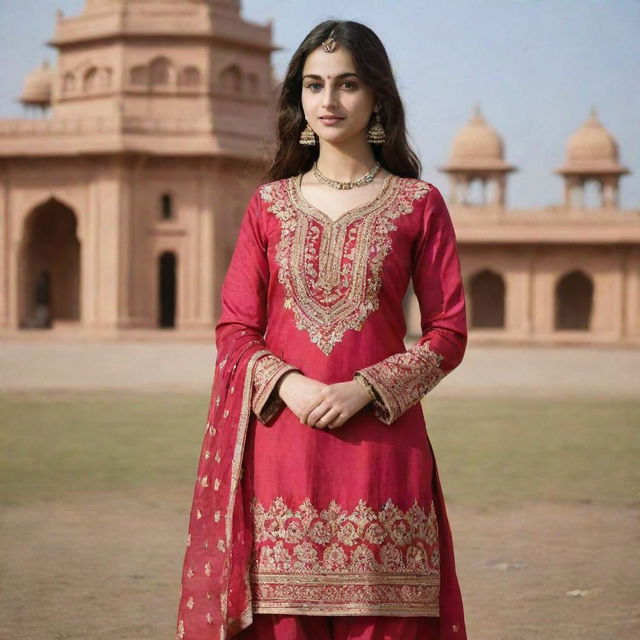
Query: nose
{"x": 328, "y": 95}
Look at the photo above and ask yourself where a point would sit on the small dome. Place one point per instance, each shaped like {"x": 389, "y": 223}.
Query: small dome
{"x": 37, "y": 86}
{"x": 591, "y": 148}
{"x": 477, "y": 146}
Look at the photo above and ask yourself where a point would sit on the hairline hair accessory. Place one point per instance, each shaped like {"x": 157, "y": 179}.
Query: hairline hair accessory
{"x": 330, "y": 43}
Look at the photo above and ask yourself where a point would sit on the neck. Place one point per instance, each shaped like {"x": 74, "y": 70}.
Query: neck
{"x": 345, "y": 162}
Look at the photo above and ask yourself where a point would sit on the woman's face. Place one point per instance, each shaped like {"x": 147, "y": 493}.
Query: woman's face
{"x": 331, "y": 87}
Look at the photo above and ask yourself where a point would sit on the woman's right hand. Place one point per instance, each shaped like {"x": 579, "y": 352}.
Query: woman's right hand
{"x": 296, "y": 390}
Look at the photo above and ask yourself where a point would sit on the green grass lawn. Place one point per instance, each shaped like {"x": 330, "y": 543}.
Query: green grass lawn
{"x": 491, "y": 452}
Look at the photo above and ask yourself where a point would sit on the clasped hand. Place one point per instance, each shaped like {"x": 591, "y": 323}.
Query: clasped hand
{"x": 321, "y": 405}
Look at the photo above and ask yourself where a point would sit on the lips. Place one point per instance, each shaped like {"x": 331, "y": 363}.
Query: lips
{"x": 330, "y": 121}
{"x": 331, "y": 118}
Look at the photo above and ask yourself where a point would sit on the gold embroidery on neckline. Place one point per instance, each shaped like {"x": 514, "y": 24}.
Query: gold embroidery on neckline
{"x": 332, "y": 270}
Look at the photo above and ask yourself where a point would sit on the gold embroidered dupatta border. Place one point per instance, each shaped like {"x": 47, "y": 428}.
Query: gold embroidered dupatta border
{"x": 215, "y": 598}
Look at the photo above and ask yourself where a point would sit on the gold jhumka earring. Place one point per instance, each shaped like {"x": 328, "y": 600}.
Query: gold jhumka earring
{"x": 375, "y": 134}
{"x": 307, "y": 136}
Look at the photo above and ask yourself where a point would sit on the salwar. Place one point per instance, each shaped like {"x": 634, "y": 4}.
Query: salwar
{"x": 302, "y": 627}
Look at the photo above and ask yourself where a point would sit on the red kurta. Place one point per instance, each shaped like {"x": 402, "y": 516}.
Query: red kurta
{"x": 346, "y": 521}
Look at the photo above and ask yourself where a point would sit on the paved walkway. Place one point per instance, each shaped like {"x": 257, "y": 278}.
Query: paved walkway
{"x": 187, "y": 366}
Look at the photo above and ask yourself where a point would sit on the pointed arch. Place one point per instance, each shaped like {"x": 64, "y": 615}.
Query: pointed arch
{"x": 49, "y": 282}
{"x": 574, "y": 301}
{"x": 189, "y": 77}
{"x": 90, "y": 80}
{"x": 161, "y": 71}
{"x": 231, "y": 78}
{"x": 487, "y": 293}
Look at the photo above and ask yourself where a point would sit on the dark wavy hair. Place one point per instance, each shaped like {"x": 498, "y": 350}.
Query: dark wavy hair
{"x": 372, "y": 65}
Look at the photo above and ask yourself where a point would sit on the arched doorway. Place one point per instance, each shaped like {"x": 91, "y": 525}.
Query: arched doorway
{"x": 49, "y": 279}
{"x": 487, "y": 292}
{"x": 167, "y": 289}
{"x": 573, "y": 301}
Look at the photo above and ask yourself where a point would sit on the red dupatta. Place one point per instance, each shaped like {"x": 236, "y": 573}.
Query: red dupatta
{"x": 215, "y": 598}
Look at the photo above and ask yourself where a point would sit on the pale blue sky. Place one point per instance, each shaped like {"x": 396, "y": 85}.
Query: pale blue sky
{"x": 535, "y": 66}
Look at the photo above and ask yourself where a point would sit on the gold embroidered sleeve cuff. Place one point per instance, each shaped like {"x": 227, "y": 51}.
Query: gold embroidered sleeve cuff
{"x": 402, "y": 380}
{"x": 367, "y": 386}
{"x": 266, "y": 402}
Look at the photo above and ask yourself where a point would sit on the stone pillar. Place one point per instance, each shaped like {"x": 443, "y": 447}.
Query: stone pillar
{"x": 5, "y": 253}
{"x": 465, "y": 189}
{"x": 567, "y": 193}
{"x": 453, "y": 182}
{"x": 204, "y": 288}
{"x": 106, "y": 287}
{"x": 501, "y": 183}
{"x": 579, "y": 190}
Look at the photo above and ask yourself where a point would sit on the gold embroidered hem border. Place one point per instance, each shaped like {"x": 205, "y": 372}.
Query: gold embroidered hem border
{"x": 334, "y": 559}
{"x": 356, "y": 594}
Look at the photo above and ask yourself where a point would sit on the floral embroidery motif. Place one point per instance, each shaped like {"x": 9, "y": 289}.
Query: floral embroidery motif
{"x": 402, "y": 379}
{"x": 180, "y": 630}
{"x": 332, "y": 269}
{"x": 335, "y": 560}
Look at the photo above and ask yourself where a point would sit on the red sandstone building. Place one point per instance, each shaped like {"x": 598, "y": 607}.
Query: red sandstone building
{"x": 120, "y": 206}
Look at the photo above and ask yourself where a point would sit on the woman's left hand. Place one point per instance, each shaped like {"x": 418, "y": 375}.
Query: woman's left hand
{"x": 334, "y": 404}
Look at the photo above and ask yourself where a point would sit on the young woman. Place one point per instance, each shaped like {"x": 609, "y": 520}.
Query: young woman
{"x": 317, "y": 511}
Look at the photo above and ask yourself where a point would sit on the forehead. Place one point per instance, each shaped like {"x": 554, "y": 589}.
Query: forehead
{"x": 324, "y": 64}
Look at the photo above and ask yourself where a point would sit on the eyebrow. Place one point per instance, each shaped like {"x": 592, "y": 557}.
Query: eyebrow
{"x": 340, "y": 75}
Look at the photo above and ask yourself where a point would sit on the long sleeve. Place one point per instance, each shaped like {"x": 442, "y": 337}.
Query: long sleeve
{"x": 244, "y": 307}
{"x": 402, "y": 379}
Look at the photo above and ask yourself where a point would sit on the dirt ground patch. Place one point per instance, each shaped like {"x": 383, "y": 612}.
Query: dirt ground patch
{"x": 107, "y": 567}
{"x": 95, "y": 489}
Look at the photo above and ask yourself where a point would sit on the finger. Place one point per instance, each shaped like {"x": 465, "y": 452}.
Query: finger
{"x": 317, "y": 419}
{"x": 327, "y": 418}
{"x": 316, "y": 416}
{"x": 307, "y": 409}
{"x": 317, "y": 409}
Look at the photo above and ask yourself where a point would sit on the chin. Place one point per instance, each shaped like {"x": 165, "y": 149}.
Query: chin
{"x": 342, "y": 138}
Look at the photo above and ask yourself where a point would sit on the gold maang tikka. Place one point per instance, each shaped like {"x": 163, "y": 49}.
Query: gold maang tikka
{"x": 330, "y": 43}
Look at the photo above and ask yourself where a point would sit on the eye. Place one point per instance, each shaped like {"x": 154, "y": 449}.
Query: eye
{"x": 313, "y": 84}
{"x": 353, "y": 84}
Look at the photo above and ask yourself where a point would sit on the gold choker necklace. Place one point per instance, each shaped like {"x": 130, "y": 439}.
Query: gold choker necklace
{"x": 349, "y": 184}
